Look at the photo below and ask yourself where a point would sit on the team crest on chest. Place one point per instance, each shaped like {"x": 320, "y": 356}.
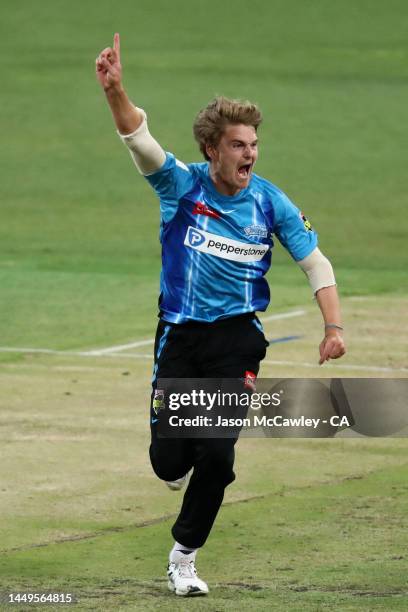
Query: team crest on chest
{"x": 260, "y": 231}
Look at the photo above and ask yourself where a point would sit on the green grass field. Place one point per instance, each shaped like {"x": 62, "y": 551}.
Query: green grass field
{"x": 309, "y": 524}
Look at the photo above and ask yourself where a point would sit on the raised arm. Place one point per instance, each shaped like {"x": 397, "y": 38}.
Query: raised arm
{"x": 109, "y": 74}
{"x": 130, "y": 121}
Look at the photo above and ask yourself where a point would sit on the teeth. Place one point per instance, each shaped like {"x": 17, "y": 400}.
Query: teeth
{"x": 244, "y": 170}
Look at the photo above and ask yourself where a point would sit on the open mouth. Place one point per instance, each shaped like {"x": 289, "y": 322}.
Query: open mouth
{"x": 244, "y": 170}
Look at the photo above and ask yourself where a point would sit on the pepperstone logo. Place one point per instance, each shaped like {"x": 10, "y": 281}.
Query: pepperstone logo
{"x": 195, "y": 238}
{"x": 226, "y": 248}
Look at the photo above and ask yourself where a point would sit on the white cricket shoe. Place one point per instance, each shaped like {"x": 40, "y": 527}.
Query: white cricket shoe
{"x": 183, "y": 579}
{"x": 177, "y": 485}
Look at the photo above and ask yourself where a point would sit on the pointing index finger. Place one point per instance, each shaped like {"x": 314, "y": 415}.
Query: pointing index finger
{"x": 116, "y": 44}
{"x": 324, "y": 355}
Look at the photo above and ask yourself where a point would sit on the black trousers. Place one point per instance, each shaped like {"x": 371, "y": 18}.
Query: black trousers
{"x": 223, "y": 349}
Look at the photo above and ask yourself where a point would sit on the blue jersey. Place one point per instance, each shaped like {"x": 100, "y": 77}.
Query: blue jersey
{"x": 216, "y": 249}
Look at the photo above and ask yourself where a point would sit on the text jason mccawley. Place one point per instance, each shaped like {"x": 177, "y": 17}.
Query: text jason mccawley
{"x": 262, "y": 421}
{"x": 255, "y": 401}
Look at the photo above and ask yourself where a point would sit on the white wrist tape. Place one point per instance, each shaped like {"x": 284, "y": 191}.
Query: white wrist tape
{"x": 318, "y": 269}
{"x": 144, "y": 149}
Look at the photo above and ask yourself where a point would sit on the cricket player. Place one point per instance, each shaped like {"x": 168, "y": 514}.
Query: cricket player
{"x": 217, "y": 222}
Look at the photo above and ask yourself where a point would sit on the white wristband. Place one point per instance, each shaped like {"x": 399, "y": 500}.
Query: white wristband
{"x": 146, "y": 152}
{"x": 318, "y": 269}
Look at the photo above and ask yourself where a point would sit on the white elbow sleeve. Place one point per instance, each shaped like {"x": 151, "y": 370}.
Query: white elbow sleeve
{"x": 144, "y": 149}
{"x": 318, "y": 269}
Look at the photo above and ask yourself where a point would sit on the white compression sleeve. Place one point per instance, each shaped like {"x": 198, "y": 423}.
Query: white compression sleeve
{"x": 144, "y": 149}
{"x": 318, "y": 269}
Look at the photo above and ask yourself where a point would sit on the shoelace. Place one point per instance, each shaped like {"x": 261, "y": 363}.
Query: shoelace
{"x": 186, "y": 569}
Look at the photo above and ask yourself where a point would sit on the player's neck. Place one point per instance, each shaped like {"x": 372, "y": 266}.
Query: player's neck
{"x": 223, "y": 187}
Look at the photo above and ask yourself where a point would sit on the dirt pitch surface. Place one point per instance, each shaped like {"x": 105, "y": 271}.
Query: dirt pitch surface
{"x": 308, "y": 524}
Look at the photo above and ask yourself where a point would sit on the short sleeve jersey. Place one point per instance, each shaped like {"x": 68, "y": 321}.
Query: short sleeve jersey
{"x": 216, "y": 249}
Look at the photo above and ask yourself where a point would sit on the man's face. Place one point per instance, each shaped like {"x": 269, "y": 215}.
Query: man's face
{"x": 232, "y": 161}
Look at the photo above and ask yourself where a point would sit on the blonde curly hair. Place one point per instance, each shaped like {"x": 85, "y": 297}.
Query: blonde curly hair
{"x": 211, "y": 121}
